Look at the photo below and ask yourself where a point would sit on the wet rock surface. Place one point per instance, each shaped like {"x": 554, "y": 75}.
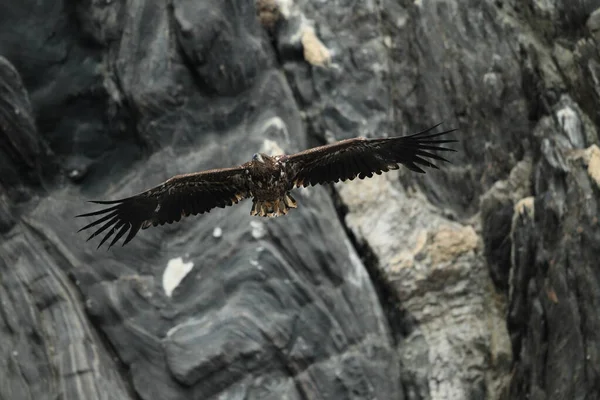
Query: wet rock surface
{"x": 477, "y": 281}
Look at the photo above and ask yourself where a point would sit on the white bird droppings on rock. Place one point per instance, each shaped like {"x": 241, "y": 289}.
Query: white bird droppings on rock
{"x": 571, "y": 125}
{"x": 258, "y": 229}
{"x": 256, "y": 264}
{"x": 176, "y": 270}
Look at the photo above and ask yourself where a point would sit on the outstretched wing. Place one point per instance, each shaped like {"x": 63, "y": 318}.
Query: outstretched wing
{"x": 362, "y": 157}
{"x": 180, "y": 196}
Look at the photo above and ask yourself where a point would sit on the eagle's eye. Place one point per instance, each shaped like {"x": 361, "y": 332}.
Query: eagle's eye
{"x": 257, "y": 157}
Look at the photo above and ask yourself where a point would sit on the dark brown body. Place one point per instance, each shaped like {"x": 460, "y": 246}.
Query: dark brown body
{"x": 269, "y": 186}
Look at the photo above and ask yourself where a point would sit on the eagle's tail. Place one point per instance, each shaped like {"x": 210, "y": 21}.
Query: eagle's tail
{"x": 275, "y": 208}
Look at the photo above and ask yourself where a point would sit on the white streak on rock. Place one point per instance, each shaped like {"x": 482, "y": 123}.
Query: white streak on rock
{"x": 357, "y": 273}
{"x": 277, "y": 124}
{"x": 271, "y": 148}
{"x": 176, "y": 270}
{"x": 571, "y": 125}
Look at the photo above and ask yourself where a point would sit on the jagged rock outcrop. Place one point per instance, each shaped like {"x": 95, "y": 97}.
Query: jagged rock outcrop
{"x": 453, "y": 341}
{"x": 554, "y": 286}
{"x": 477, "y": 281}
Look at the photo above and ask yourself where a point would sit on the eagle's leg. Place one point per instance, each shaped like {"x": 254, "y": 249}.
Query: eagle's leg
{"x": 273, "y": 208}
{"x": 254, "y": 210}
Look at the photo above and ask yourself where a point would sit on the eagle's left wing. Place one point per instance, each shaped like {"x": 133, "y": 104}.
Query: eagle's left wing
{"x": 362, "y": 157}
{"x": 180, "y": 196}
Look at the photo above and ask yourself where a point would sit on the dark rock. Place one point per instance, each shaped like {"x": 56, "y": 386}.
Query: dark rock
{"x": 555, "y": 285}
{"x": 497, "y": 209}
{"x": 7, "y": 218}
{"x": 26, "y": 164}
{"x": 496, "y": 222}
{"x": 20, "y": 144}
{"x": 49, "y": 349}
{"x": 227, "y": 57}
{"x": 100, "y": 20}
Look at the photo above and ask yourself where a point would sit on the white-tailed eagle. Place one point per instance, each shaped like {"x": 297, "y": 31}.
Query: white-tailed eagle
{"x": 267, "y": 180}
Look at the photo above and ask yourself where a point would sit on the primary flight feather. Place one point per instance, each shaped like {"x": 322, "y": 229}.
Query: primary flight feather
{"x": 267, "y": 180}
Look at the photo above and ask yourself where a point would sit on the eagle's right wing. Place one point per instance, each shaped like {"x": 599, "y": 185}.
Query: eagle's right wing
{"x": 363, "y": 157}
{"x": 180, "y": 196}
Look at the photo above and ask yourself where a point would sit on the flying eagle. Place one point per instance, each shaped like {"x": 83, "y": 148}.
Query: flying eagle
{"x": 267, "y": 180}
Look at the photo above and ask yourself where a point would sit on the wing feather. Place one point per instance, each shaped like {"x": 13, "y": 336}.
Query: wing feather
{"x": 180, "y": 196}
{"x": 362, "y": 157}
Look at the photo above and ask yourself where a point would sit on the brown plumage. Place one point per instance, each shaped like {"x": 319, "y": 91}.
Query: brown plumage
{"x": 267, "y": 180}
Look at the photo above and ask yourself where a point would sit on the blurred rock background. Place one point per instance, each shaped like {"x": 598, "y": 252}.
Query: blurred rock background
{"x": 478, "y": 281}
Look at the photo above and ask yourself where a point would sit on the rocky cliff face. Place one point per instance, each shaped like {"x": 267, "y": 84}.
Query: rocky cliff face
{"x": 478, "y": 281}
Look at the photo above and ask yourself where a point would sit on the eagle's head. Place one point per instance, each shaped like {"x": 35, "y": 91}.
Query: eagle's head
{"x": 258, "y": 157}
{"x": 263, "y": 159}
